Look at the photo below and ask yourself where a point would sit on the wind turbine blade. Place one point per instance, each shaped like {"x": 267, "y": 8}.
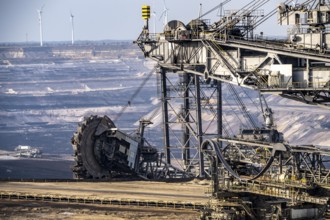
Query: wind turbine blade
{"x": 161, "y": 15}
{"x": 164, "y": 4}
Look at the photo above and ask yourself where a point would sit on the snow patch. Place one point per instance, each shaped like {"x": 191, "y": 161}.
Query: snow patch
{"x": 155, "y": 100}
{"x": 86, "y": 88}
{"x": 8, "y": 157}
{"x": 11, "y": 92}
{"x": 50, "y": 90}
{"x": 140, "y": 74}
{"x": 150, "y": 64}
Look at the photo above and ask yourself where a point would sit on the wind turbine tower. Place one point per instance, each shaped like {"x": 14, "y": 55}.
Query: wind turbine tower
{"x": 72, "y": 29}
{"x": 40, "y": 25}
{"x": 165, "y": 14}
{"x": 155, "y": 16}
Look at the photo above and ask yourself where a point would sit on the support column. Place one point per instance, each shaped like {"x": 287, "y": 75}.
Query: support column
{"x": 167, "y": 149}
{"x": 309, "y": 74}
{"x": 281, "y": 162}
{"x": 215, "y": 176}
{"x": 185, "y": 114}
{"x": 219, "y": 107}
{"x": 199, "y": 126}
{"x": 239, "y": 58}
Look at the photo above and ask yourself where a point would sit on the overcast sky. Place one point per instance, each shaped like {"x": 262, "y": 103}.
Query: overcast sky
{"x": 102, "y": 19}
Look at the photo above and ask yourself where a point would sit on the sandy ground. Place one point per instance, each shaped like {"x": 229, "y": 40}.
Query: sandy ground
{"x": 136, "y": 190}
{"x": 59, "y": 168}
{"x": 190, "y": 192}
{"x": 15, "y": 210}
{"x": 49, "y": 167}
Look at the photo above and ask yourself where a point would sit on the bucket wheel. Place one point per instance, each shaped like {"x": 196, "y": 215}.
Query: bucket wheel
{"x": 87, "y": 143}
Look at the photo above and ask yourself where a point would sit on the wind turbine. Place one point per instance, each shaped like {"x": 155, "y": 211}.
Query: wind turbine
{"x": 72, "y": 28}
{"x": 164, "y": 14}
{"x": 155, "y": 17}
{"x": 154, "y": 14}
{"x": 40, "y": 24}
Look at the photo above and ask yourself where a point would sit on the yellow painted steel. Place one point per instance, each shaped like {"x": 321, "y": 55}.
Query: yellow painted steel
{"x": 146, "y": 12}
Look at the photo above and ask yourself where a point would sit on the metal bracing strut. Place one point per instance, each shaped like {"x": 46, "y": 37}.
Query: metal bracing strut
{"x": 199, "y": 126}
{"x": 167, "y": 149}
{"x": 186, "y": 117}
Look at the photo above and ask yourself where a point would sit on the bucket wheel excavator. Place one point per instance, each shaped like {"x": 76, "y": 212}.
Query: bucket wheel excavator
{"x": 102, "y": 151}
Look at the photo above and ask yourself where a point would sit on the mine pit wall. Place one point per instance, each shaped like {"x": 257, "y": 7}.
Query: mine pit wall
{"x": 15, "y": 54}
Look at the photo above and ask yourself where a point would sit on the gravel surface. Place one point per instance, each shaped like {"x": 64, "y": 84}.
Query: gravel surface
{"x": 36, "y": 210}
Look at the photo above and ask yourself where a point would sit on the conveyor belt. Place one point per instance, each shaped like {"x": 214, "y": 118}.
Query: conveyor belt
{"x": 100, "y": 201}
{"x": 267, "y": 46}
{"x": 119, "y": 192}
